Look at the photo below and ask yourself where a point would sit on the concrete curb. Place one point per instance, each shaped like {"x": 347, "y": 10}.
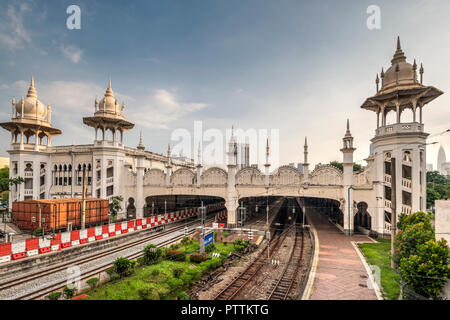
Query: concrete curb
{"x": 312, "y": 273}
{"x": 369, "y": 272}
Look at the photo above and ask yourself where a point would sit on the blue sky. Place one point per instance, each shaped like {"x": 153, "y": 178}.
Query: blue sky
{"x": 303, "y": 67}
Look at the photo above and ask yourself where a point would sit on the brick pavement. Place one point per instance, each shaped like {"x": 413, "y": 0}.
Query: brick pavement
{"x": 340, "y": 272}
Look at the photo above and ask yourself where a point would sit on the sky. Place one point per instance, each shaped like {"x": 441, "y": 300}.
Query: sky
{"x": 300, "y": 67}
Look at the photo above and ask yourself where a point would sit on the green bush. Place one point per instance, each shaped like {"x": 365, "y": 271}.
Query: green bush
{"x": 408, "y": 240}
{"x": 210, "y": 247}
{"x": 54, "y": 295}
{"x": 183, "y": 296}
{"x": 427, "y": 270}
{"x": 174, "y": 255}
{"x": 92, "y": 282}
{"x": 215, "y": 236}
{"x": 185, "y": 241}
{"x": 225, "y": 243}
{"x": 226, "y": 234}
{"x": 155, "y": 272}
{"x": 110, "y": 272}
{"x": 177, "y": 272}
{"x": 174, "y": 246}
{"x": 151, "y": 254}
{"x": 69, "y": 292}
{"x": 148, "y": 292}
{"x": 197, "y": 257}
{"x": 141, "y": 261}
{"x": 122, "y": 266}
{"x": 115, "y": 277}
{"x": 405, "y": 220}
{"x": 37, "y": 232}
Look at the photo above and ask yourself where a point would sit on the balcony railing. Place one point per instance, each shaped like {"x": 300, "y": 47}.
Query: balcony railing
{"x": 406, "y": 183}
{"x": 406, "y": 209}
{"x": 42, "y": 189}
{"x": 387, "y": 226}
{"x": 28, "y": 192}
{"x": 388, "y": 203}
{"x": 400, "y": 128}
{"x": 387, "y": 178}
{"x": 109, "y": 180}
{"x": 28, "y": 174}
{"x": 42, "y": 171}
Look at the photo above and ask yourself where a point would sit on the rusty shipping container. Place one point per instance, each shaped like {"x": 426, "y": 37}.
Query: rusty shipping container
{"x": 57, "y": 213}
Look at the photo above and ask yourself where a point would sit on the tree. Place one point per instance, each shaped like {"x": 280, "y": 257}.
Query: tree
{"x": 69, "y": 292}
{"x": 438, "y": 187}
{"x": 427, "y": 270}
{"x": 115, "y": 206}
{"x": 337, "y": 164}
{"x": 15, "y": 182}
{"x": 4, "y": 179}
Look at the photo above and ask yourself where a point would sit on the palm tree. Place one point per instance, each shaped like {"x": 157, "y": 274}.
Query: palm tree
{"x": 15, "y": 182}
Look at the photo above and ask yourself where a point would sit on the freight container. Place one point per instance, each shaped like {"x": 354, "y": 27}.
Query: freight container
{"x": 57, "y": 213}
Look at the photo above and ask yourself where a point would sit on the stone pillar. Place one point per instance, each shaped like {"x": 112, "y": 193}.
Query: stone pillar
{"x": 232, "y": 197}
{"x": 398, "y": 154}
{"x": 415, "y": 177}
{"x": 140, "y": 188}
{"x": 36, "y": 179}
{"x": 104, "y": 163}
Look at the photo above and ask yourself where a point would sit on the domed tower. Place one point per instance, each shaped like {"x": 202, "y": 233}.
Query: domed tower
{"x": 108, "y": 115}
{"x": 30, "y": 125}
{"x": 401, "y": 92}
{"x": 31, "y": 133}
{"x": 108, "y": 153}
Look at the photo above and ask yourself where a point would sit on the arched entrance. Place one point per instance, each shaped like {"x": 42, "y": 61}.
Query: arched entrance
{"x": 362, "y": 217}
{"x": 131, "y": 209}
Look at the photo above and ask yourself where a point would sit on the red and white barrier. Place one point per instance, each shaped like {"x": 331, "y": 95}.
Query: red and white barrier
{"x": 63, "y": 240}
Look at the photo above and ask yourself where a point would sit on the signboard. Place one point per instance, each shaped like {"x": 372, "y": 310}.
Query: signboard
{"x": 217, "y": 225}
{"x": 208, "y": 238}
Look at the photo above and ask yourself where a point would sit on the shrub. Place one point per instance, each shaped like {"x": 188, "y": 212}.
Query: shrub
{"x": 198, "y": 257}
{"x": 239, "y": 248}
{"x": 215, "y": 236}
{"x": 210, "y": 247}
{"x": 148, "y": 293}
{"x": 69, "y": 292}
{"x": 174, "y": 246}
{"x": 92, "y": 282}
{"x": 408, "y": 240}
{"x": 122, "y": 266}
{"x": 177, "y": 272}
{"x": 115, "y": 277}
{"x": 185, "y": 241}
{"x": 225, "y": 243}
{"x": 155, "y": 272}
{"x": 226, "y": 234}
{"x": 54, "y": 295}
{"x": 37, "y": 232}
{"x": 151, "y": 254}
{"x": 110, "y": 272}
{"x": 415, "y": 218}
{"x": 174, "y": 255}
{"x": 427, "y": 270}
{"x": 183, "y": 296}
{"x": 141, "y": 261}
{"x": 175, "y": 286}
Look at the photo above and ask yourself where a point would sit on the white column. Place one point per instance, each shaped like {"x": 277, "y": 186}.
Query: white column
{"x": 232, "y": 198}
{"x": 415, "y": 177}
{"x": 348, "y": 182}
{"x": 36, "y": 180}
{"x": 398, "y": 154}
{"x": 104, "y": 163}
{"x": 139, "y": 188}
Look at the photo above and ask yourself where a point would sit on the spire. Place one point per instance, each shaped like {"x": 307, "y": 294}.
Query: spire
{"x": 140, "y": 145}
{"x": 347, "y": 133}
{"x": 32, "y": 91}
{"x": 377, "y": 81}
{"x": 421, "y": 73}
{"x": 414, "y": 70}
{"x": 168, "y": 151}
{"x": 267, "y": 147}
{"x": 399, "y": 56}
{"x": 305, "y": 152}
{"x": 199, "y": 154}
{"x": 109, "y": 92}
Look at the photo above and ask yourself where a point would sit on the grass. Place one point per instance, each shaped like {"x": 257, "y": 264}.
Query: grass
{"x": 378, "y": 254}
{"x": 157, "y": 282}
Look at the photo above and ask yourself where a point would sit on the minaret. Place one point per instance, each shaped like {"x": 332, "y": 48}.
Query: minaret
{"x": 168, "y": 166}
{"x": 267, "y": 165}
{"x": 232, "y": 197}
{"x": 140, "y": 145}
{"x": 347, "y": 162}
{"x": 305, "y": 162}
{"x": 199, "y": 166}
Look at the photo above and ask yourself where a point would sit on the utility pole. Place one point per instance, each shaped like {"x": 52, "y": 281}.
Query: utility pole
{"x": 203, "y": 217}
{"x": 83, "y": 201}
{"x": 393, "y": 209}
{"x": 165, "y": 209}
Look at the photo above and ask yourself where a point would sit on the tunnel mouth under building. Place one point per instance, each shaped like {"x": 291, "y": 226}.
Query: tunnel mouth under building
{"x": 160, "y": 204}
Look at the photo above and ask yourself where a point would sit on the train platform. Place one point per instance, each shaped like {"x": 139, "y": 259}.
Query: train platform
{"x": 340, "y": 273}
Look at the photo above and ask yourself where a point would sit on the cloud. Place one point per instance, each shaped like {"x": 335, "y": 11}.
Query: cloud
{"x": 13, "y": 34}
{"x": 72, "y": 52}
{"x": 160, "y": 108}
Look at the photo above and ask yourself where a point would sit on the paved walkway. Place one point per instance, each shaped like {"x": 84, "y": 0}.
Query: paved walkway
{"x": 340, "y": 273}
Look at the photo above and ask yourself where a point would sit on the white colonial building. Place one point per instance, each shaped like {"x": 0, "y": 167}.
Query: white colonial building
{"x": 358, "y": 200}
{"x": 56, "y": 171}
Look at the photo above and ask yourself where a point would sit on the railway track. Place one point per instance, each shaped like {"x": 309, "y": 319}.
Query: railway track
{"x": 55, "y": 286}
{"x": 285, "y": 283}
{"x": 234, "y": 288}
